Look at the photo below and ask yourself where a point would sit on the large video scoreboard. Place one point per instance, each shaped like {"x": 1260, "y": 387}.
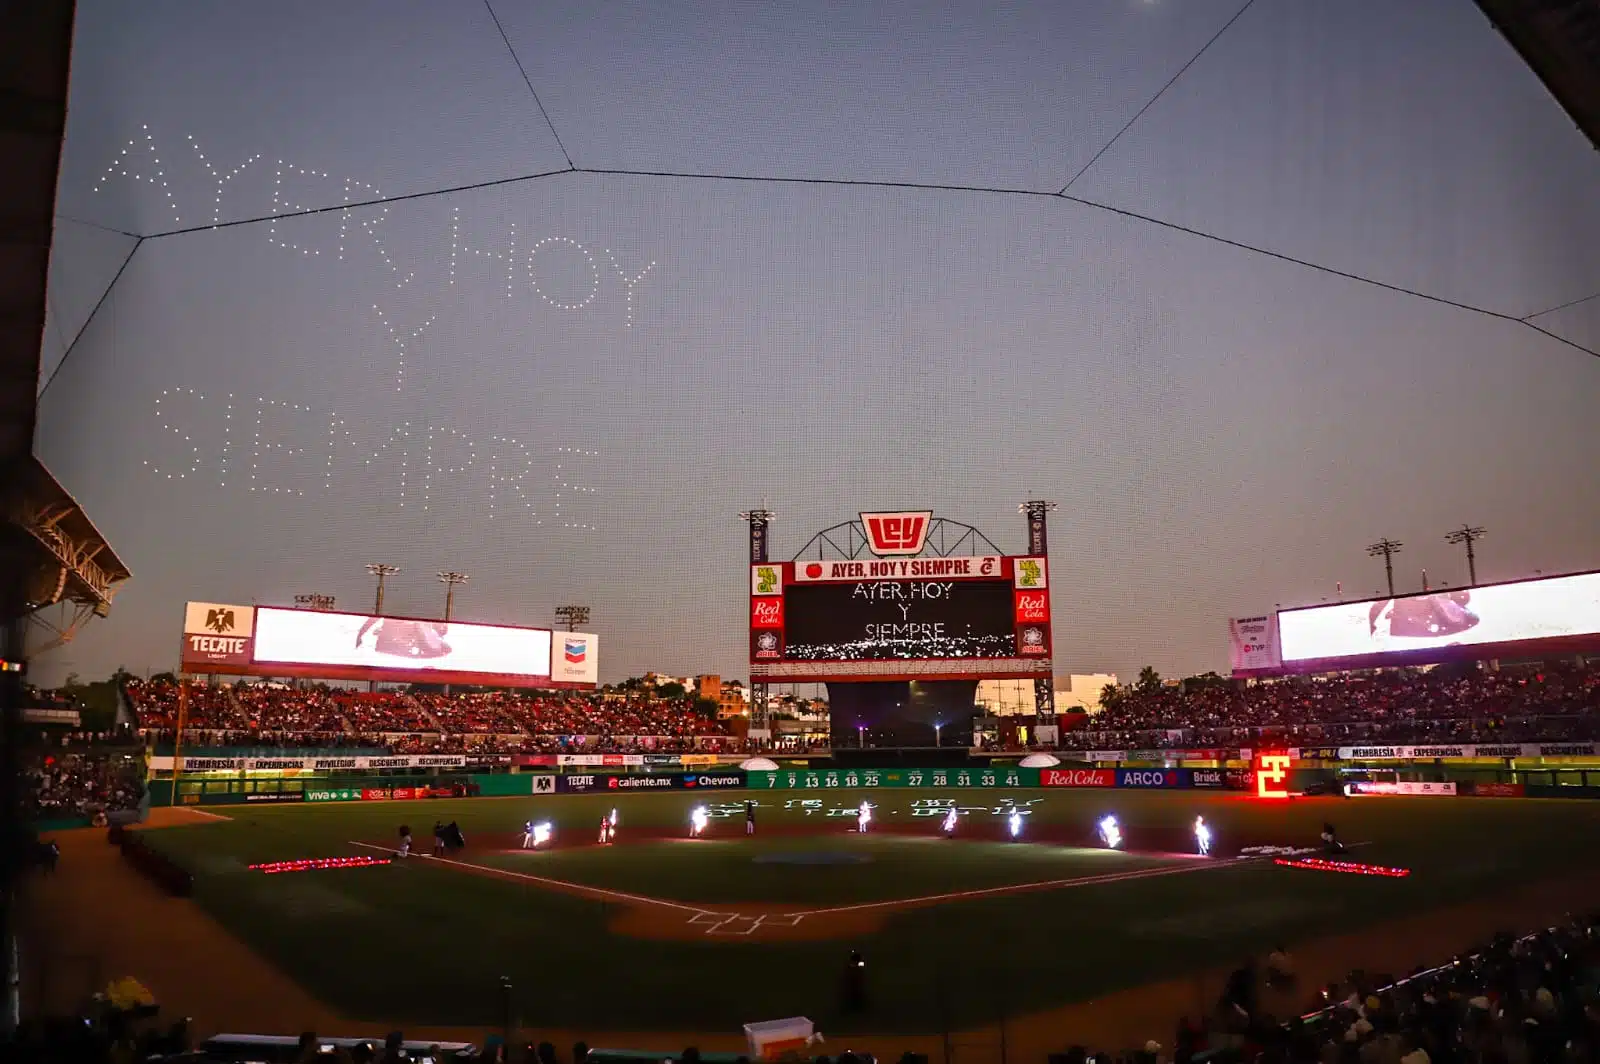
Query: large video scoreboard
{"x": 983, "y": 617}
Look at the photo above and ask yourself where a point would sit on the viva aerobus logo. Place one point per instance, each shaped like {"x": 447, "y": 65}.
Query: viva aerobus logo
{"x": 898, "y": 534}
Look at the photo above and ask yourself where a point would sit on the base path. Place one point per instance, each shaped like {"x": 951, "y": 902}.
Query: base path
{"x": 641, "y": 916}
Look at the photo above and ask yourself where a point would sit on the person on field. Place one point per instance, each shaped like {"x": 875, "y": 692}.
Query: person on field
{"x": 405, "y": 840}
{"x": 1330, "y": 839}
{"x": 438, "y": 838}
{"x": 855, "y": 983}
{"x": 453, "y": 838}
{"x": 749, "y": 818}
{"x": 527, "y": 835}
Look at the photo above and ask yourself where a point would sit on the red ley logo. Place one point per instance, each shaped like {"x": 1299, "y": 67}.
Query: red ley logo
{"x": 1033, "y": 607}
{"x": 897, "y": 534}
{"x": 766, "y": 612}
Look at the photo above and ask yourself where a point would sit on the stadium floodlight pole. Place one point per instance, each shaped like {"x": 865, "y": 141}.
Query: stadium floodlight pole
{"x": 572, "y": 616}
{"x": 450, "y": 579}
{"x": 382, "y": 572}
{"x": 1468, "y": 534}
{"x": 1388, "y": 548}
{"x": 314, "y": 600}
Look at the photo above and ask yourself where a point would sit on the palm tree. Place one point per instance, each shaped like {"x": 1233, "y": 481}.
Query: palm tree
{"x": 1149, "y": 679}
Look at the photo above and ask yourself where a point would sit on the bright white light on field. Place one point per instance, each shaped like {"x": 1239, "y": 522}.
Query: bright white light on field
{"x": 1111, "y": 832}
{"x": 950, "y": 822}
{"x": 1016, "y": 823}
{"x": 541, "y": 834}
{"x": 698, "y": 820}
{"x": 863, "y": 817}
{"x": 1202, "y": 835}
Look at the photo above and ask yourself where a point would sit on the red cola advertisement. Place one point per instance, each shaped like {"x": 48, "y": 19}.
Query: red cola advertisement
{"x": 1077, "y": 777}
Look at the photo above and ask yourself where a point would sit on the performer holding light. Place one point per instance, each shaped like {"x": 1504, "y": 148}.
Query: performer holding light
{"x": 540, "y": 833}
{"x": 697, "y": 822}
{"x": 950, "y": 822}
{"x": 863, "y": 817}
{"x": 1110, "y": 832}
{"x": 527, "y": 835}
{"x": 1016, "y": 823}
{"x": 608, "y": 828}
{"x": 1202, "y": 835}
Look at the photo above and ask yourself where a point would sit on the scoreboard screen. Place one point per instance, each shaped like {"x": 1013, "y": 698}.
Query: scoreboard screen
{"x": 890, "y": 620}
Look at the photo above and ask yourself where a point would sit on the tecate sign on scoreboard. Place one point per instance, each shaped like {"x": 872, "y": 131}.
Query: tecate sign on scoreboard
{"x": 216, "y": 635}
{"x": 397, "y": 644}
{"x": 1550, "y": 608}
{"x": 575, "y": 658}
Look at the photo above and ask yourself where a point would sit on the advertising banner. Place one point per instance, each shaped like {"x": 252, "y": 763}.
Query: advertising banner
{"x": 1152, "y": 777}
{"x": 575, "y": 658}
{"x": 1032, "y": 607}
{"x": 163, "y": 762}
{"x": 1030, "y": 574}
{"x": 217, "y": 636}
{"x": 352, "y": 645}
{"x": 766, "y": 580}
{"x": 714, "y": 781}
{"x": 1253, "y": 644}
{"x": 1077, "y": 777}
{"x": 1409, "y": 788}
{"x": 1458, "y": 753}
{"x": 766, "y": 612}
{"x": 1558, "y": 607}
{"x": 332, "y": 794}
{"x": 841, "y": 778}
{"x": 1210, "y": 779}
{"x": 544, "y": 783}
{"x": 976, "y": 567}
{"x": 603, "y": 760}
{"x": 1499, "y": 790}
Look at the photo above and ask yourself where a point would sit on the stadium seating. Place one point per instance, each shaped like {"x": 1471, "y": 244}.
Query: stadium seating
{"x": 498, "y": 722}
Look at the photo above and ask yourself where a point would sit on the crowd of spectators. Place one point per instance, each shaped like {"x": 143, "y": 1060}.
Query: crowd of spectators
{"x": 1533, "y": 1000}
{"x": 495, "y": 722}
{"x": 1443, "y": 705}
{"x": 64, "y": 784}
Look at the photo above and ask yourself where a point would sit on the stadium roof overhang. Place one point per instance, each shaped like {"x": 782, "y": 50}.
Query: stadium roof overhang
{"x": 1560, "y": 42}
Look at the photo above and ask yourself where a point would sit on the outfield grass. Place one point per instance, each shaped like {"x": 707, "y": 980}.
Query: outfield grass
{"x": 429, "y": 942}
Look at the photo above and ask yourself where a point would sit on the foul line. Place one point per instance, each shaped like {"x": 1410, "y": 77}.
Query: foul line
{"x": 559, "y": 884}
{"x": 893, "y": 903}
{"x": 1044, "y": 884}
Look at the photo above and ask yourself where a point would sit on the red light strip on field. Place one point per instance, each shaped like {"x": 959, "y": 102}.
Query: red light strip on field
{"x": 1317, "y": 864}
{"x": 313, "y": 864}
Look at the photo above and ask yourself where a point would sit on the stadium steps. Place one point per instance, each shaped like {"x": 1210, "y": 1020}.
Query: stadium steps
{"x": 422, "y": 711}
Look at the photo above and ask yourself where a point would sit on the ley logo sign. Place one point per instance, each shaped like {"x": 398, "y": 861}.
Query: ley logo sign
{"x": 899, "y": 534}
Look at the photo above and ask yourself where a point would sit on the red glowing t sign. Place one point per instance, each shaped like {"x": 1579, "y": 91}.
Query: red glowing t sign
{"x": 1272, "y": 775}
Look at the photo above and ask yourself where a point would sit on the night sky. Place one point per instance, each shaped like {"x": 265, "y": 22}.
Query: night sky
{"x": 569, "y": 387}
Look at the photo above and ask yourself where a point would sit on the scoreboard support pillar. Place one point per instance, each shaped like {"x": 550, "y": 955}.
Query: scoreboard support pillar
{"x": 1037, "y": 511}
{"x": 759, "y": 519}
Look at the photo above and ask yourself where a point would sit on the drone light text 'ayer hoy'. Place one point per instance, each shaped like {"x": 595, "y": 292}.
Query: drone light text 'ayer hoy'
{"x": 256, "y": 431}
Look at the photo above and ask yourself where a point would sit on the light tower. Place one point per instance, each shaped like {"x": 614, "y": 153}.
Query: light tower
{"x": 1387, "y": 548}
{"x": 572, "y": 616}
{"x": 450, "y": 579}
{"x": 382, "y": 572}
{"x": 314, "y": 600}
{"x": 1468, "y": 534}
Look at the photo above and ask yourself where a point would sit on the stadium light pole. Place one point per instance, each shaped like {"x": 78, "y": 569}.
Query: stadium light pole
{"x": 450, "y": 579}
{"x": 314, "y": 600}
{"x": 1387, "y": 548}
{"x": 1468, "y": 534}
{"x": 382, "y": 572}
{"x": 572, "y": 616}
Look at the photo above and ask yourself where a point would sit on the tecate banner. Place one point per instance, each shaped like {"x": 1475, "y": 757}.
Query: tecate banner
{"x": 1550, "y": 608}
{"x": 351, "y": 640}
{"x": 1077, "y": 777}
{"x": 575, "y": 658}
{"x": 1253, "y": 644}
{"x": 215, "y": 634}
